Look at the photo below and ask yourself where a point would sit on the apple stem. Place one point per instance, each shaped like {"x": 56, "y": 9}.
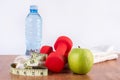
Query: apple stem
{"x": 78, "y": 46}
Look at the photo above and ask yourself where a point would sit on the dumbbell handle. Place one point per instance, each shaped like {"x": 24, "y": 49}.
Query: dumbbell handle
{"x": 61, "y": 49}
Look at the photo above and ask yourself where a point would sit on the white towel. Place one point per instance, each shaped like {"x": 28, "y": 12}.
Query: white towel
{"x": 105, "y": 58}
{"x": 104, "y": 53}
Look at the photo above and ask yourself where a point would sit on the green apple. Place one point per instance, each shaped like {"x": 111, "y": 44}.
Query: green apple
{"x": 80, "y": 60}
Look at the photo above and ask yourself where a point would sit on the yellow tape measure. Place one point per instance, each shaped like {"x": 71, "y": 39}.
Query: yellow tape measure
{"x": 31, "y": 70}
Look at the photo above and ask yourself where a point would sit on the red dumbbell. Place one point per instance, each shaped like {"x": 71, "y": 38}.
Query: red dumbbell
{"x": 56, "y": 60}
{"x": 46, "y": 49}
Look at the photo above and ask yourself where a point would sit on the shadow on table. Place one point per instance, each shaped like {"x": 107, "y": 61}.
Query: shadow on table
{"x": 52, "y": 77}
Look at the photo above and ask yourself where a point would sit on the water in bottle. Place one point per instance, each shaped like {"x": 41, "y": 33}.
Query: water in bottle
{"x": 33, "y": 30}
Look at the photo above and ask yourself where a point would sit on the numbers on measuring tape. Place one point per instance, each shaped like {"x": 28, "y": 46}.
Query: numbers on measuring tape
{"x": 33, "y": 73}
{"x": 41, "y": 73}
{"x": 24, "y": 73}
{"x": 32, "y": 61}
{"x": 29, "y": 72}
{"x": 18, "y": 72}
{"x": 25, "y": 65}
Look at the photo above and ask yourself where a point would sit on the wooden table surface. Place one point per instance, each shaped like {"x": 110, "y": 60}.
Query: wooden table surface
{"x": 109, "y": 70}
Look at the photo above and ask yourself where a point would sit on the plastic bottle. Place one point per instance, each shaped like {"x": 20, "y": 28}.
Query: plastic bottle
{"x": 33, "y": 30}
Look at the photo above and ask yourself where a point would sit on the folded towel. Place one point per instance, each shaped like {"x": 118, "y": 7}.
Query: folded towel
{"x": 104, "y": 53}
{"x": 105, "y": 58}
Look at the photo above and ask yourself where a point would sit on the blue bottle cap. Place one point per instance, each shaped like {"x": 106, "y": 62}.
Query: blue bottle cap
{"x": 33, "y": 9}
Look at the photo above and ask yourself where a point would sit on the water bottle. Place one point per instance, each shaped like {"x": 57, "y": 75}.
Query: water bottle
{"x": 33, "y": 30}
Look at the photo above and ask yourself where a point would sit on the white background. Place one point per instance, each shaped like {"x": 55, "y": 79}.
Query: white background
{"x": 87, "y": 22}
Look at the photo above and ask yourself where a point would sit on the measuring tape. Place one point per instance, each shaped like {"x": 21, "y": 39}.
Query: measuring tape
{"x": 30, "y": 70}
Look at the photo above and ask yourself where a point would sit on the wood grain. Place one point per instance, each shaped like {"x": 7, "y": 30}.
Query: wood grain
{"x": 109, "y": 70}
